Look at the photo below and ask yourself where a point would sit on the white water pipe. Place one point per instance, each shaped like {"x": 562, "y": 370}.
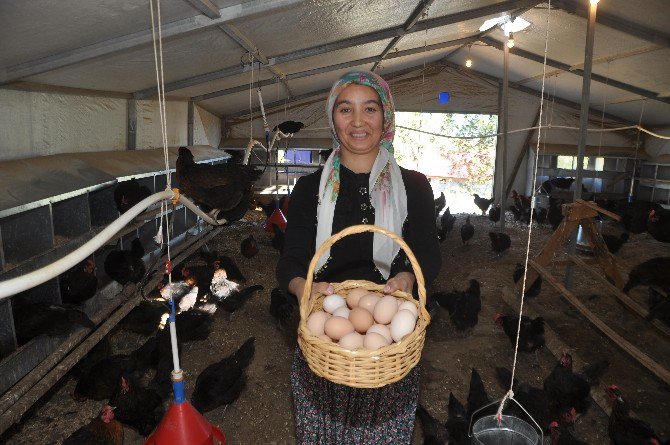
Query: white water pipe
{"x": 13, "y": 286}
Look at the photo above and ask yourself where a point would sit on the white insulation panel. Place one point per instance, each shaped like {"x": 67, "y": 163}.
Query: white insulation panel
{"x": 149, "y": 124}
{"x": 39, "y": 124}
{"x": 206, "y": 128}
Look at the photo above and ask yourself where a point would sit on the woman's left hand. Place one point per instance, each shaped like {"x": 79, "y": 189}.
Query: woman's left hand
{"x": 403, "y": 281}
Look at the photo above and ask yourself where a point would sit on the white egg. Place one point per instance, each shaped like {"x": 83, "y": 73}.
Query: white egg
{"x": 383, "y": 330}
{"x": 385, "y": 309}
{"x": 402, "y": 324}
{"x": 316, "y": 321}
{"x": 332, "y": 302}
{"x": 409, "y": 306}
{"x": 342, "y": 311}
{"x": 352, "y": 341}
{"x": 374, "y": 341}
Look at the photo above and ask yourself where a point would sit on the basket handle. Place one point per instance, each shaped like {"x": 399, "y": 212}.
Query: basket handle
{"x": 361, "y": 228}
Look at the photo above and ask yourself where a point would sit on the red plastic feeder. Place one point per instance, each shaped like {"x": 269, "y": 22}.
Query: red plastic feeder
{"x": 277, "y": 218}
{"x": 184, "y": 425}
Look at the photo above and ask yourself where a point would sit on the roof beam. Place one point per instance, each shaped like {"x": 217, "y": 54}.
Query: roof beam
{"x": 614, "y": 22}
{"x": 128, "y": 42}
{"x": 579, "y": 72}
{"x": 238, "y": 36}
{"x": 206, "y": 7}
{"x": 418, "y": 12}
{"x": 329, "y": 68}
{"x": 363, "y": 39}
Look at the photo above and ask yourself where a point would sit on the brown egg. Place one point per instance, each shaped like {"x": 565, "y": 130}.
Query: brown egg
{"x": 316, "y": 321}
{"x": 369, "y": 302}
{"x": 337, "y": 327}
{"x": 352, "y": 341}
{"x": 385, "y": 309}
{"x": 374, "y": 341}
{"x": 361, "y": 319}
{"x": 354, "y": 296}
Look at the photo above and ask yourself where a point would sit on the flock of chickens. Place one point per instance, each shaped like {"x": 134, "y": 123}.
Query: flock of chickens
{"x": 199, "y": 292}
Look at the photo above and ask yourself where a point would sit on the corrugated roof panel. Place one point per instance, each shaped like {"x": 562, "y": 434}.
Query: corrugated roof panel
{"x": 441, "y": 34}
{"x": 47, "y": 27}
{"x": 223, "y": 83}
{"x": 444, "y": 7}
{"x": 650, "y": 71}
{"x": 132, "y": 71}
{"x": 320, "y": 22}
{"x": 649, "y": 13}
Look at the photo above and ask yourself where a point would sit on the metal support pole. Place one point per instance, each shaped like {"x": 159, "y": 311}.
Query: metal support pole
{"x": 583, "y": 121}
{"x": 131, "y": 141}
{"x": 190, "y": 118}
{"x": 505, "y": 114}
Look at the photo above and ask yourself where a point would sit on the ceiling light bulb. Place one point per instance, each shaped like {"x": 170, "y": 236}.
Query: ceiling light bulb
{"x": 510, "y": 41}
{"x": 594, "y": 2}
{"x": 468, "y": 63}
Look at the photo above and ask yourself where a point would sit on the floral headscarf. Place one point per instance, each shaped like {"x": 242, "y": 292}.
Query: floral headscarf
{"x": 387, "y": 190}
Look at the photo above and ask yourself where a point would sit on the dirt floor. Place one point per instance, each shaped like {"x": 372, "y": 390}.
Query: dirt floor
{"x": 263, "y": 414}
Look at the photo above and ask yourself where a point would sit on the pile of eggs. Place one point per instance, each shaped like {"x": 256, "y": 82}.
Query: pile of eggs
{"x": 363, "y": 320}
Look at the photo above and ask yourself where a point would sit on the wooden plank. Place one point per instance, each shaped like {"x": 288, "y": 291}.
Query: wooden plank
{"x": 556, "y": 240}
{"x": 556, "y": 346}
{"x": 646, "y": 361}
{"x": 598, "y": 209}
{"x": 602, "y": 254}
{"x": 622, "y": 297}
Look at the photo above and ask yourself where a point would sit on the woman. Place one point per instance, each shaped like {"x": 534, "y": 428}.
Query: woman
{"x": 360, "y": 183}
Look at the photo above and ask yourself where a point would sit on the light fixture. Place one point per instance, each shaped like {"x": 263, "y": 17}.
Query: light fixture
{"x": 516, "y": 25}
{"x": 510, "y": 40}
{"x": 594, "y": 2}
{"x": 468, "y": 63}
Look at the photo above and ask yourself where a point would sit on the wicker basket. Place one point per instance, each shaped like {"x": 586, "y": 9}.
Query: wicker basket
{"x": 362, "y": 368}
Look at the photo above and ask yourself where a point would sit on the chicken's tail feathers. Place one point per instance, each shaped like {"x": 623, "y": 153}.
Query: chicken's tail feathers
{"x": 594, "y": 372}
{"x": 504, "y": 377}
{"x": 246, "y": 352}
{"x": 455, "y": 408}
{"x": 247, "y": 292}
{"x": 136, "y": 248}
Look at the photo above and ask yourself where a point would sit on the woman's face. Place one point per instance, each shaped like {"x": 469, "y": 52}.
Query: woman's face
{"x": 359, "y": 119}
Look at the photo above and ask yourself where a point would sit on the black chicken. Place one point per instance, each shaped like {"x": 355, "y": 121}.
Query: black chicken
{"x": 126, "y": 266}
{"x": 566, "y": 388}
{"x": 200, "y": 276}
{"x": 531, "y": 337}
{"x": 191, "y": 326}
{"x": 477, "y": 397}
{"x": 540, "y": 216}
{"x": 129, "y": 193}
{"x": 653, "y": 272}
{"x": 440, "y": 202}
{"x": 289, "y": 127}
{"x": 33, "y": 319}
{"x": 227, "y": 187}
{"x": 494, "y": 213}
{"x": 278, "y": 238}
{"x": 458, "y": 423}
{"x": 659, "y": 306}
{"x": 559, "y": 183}
{"x": 161, "y": 383}
{"x": 467, "y": 231}
{"x": 522, "y": 207}
{"x": 532, "y": 290}
{"x": 447, "y": 221}
{"x": 434, "y": 433}
{"x": 615, "y": 243}
{"x": 482, "y": 203}
{"x": 137, "y": 407}
{"x": 658, "y": 225}
{"x": 555, "y": 212}
{"x": 500, "y": 242}
{"x": 232, "y": 271}
{"x": 249, "y": 247}
{"x": 79, "y": 283}
{"x": 463, "y": 307}
{"x": 103, "y": 430}
{"x": 145, "y": 318}
{"x": 634, "y": 215}
{"x": 228, "y": 294}
{"x": 222, "y": 383}
{"x": 624, "y": 429}
{"x": 562, "y": 436}
{"x": 281, "y": 307}
{"x": 535, "y": 400}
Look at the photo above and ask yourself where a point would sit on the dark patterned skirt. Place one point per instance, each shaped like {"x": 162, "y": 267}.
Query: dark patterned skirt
{"x": 328, "y": 413}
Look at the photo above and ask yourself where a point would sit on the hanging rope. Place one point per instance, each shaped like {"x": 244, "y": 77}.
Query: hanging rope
{"x": 637, "y": 145}
{"x": 510, "y": 393}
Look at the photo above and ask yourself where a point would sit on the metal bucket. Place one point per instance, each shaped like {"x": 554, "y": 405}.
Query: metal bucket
{"x": 541, "y": 201}
{"x": 510, "y": 431}
{"x": 583, "y": 241}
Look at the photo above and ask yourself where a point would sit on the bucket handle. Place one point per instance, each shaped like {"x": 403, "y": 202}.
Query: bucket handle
{"x": 497, "y": 402}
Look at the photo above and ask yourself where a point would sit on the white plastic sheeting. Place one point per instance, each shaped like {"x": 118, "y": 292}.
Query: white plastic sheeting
{"x": 38, "y": 124}
{"x": 206, "y": 128}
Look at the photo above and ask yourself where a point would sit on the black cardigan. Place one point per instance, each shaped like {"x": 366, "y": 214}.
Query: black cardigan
{"x": 351, "y": 257}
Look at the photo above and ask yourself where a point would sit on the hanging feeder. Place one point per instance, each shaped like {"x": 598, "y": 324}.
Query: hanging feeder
{"x": 277, "y": 218}
{"x": 505, "y": 429}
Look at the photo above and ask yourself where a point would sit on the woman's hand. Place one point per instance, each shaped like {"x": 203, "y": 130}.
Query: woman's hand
{"x": 403, "y": 281}
{"x": 297, "y": 286}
